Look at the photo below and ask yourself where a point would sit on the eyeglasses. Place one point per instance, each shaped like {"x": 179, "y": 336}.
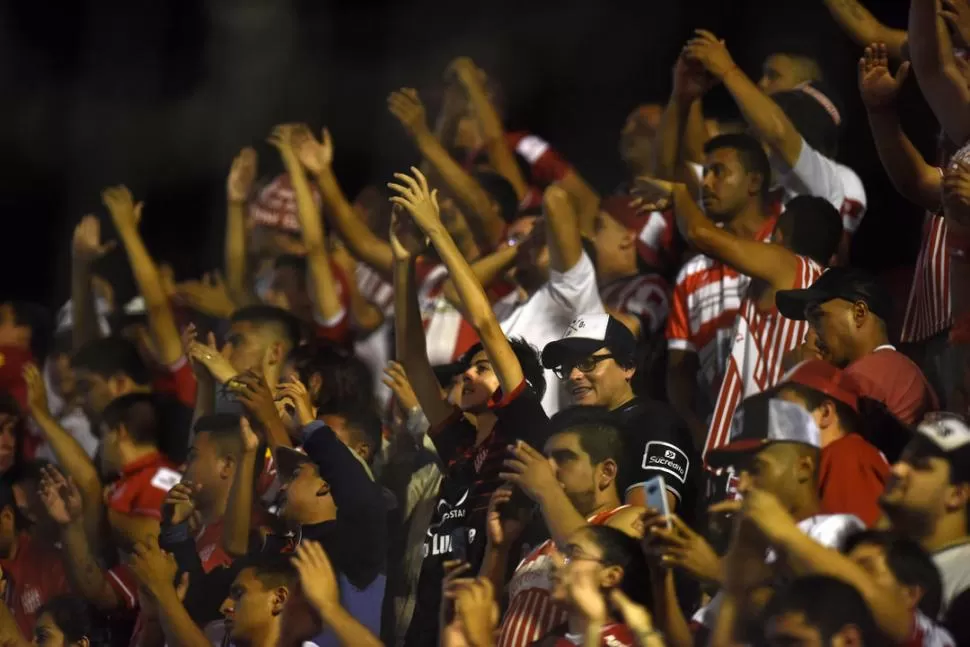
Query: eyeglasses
{"x": 576, "y": 554}
{"x": 585, "y": 365}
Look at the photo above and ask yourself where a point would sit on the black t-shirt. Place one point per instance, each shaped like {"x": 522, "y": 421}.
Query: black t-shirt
{"x": 471, "y": 475}
{"x": 657, "y": 442}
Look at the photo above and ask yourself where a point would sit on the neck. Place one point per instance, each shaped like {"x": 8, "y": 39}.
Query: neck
{"x": 484, "y": 424}
{"x": 830, "y": 434}
{"x": 807, "y": 506}
{"x": 135, "y": 453}
{"x": 605, "y": 275}
{"x": 215, "y": 511}
{"x": 609, "y": 501}
{"x": 622, "y": 398}
{"x": 948, "y": 530}
{"x": 11, "y": 553}
{"x": 749, "y": 221}
{"x": 870, "y": 343}
{"x": 268, "y": 636}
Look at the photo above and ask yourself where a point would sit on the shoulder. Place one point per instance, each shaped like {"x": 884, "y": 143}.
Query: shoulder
{"x": 851, "y": 184}
{"x": 832, "y": 529}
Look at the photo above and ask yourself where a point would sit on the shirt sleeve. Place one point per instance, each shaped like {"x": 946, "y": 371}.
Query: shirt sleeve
{"x": 656, "y": 240}
{"x": 678, "y": 320}
{"x": 148, "y": 499}
{"x": 658, "y": 452}
{"x": 575, "y": 290}
{"x": 545, "y": 164}
{"x": 816, "y": 175}
{"x": 183, "y": 381}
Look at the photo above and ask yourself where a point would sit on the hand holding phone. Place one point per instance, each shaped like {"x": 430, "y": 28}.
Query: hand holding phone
{"x": 656, "y": 495}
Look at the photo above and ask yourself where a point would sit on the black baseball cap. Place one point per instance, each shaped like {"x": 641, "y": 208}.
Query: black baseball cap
{"x": 585, "y": 335}
{"x": 837, "y": 283}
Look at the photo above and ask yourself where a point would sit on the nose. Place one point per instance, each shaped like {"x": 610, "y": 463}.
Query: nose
{"x": 900, "y": 469}
{"x": 744, "y": 482}
{"x": 575, "y": 375}
{"x": 226, "y": 609}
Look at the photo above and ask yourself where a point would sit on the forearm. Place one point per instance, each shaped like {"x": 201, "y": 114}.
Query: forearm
{"x": 176, "y": 622}
{"x": 237, "y": 271}
{"x": 585, "y": 200}
{"x": 345, "y": 627}
{"x": 487, "y": 270}
{"x": 863, "y": 28}
{"x": 363, "y": 243}
{"x": 500, "y": 155}
{"x": 494, "y": 566}
{"x": 766, "y": 119}
{"x": 669, "y": 616}
{"x": 563, "y": 234}
{"x": 352, "y": 489}
{"x": 235, "y": 534}
{"x": 85, "y": 326}
{"x": 10, "y": 635}
{"x": 86, "y": 575}
{"x": 917, "y": 181}
{"x": 72, "y": 458}
{"x": 725, "y": 633}
{"x": 671, "y": 138}
{"x": 205, "y": 397}
{"x": 483, "y": 219}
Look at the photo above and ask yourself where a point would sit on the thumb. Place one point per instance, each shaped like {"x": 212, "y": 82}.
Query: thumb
{"x": 903, "y": 72}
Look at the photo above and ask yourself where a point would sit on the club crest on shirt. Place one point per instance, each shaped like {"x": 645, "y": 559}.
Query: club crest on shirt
{"x": 658, "y": 455}
{"x": 30, "y": 600}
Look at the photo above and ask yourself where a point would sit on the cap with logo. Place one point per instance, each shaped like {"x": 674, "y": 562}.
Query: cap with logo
{"x": 585, "y": 335}
{"x": 288, "y": 459}
{"x": 836, "y": 283}
{"x": 762, "y": 420}
{"x": 819, "y": 375}
{"x": 946, "y": 435}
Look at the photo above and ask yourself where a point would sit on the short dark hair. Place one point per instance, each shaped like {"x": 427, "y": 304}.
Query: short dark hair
{"x": 286, "y": 325}
{"x": 848, "y": 417}
{"x": 908, "y": 562}
{"x": 112, "y": 356}
{"x": 620, "y": 549}
{"x": 812, "y": 121}
{"x": 749, "y": 151}
{"x": 41, "y": 324}
{"x": 223, "y": 430}
{"x": 528, "y": 358}
{"x": 365, "y": 425}
{"x": 828, "y": 604}
{"x": 271, "y": 569}
{"x": 812, "y": 227}
{"x": 347, "y": 381}
{"x": 501, "y": 191}
{"x": 72, "y": 615}
{"x": 138, "y": 412}
{"x": 596, "y": 428}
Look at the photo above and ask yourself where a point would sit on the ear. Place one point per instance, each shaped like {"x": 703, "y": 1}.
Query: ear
{"x": 827, "y": 416}
{"x": 611, "y": 577}
{"x": 228, "y": 468}
{"x": 363, "y": 449}
{"x": 627, "y": 240}
{"x": 756, "y": 181}
{"x": 859, "y": 312}
{"x": 276, "y": 354}
{"x": 119, "y": 385}
{"x": 84, "y": 642}
{"x": 7, "y": 516}
{"x": 913, "y": 594}
{"x": 957, "y": 496}
{"x": 278, "y": 602}
{"x": 805, "y": 469}
{"x": 314, "y": 386}
{"x": 607, "y": 473}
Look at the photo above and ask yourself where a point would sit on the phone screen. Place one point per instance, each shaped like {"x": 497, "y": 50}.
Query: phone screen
{"x": 656, "y": 491}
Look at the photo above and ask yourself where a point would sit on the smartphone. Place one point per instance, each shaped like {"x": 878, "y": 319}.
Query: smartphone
{"x": 656, "y": 491}
{"x": 459, "y": 544}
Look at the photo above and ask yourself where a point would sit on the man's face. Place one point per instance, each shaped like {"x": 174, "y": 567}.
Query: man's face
{"x": 574, "y": 470}
{"x": 532, "y": 263}
{"x": 615, "y": 245}
{"x": 872, "y": 559}
{"x": 301, "y": 494}
{"x": 770, "y": 470}
{"x": 478, "y": 383}
{"x": 726, "y": 185}
{"x": 639, "y": 133}
{"x": 95, "y": 391}
{"x": 780, "y": 73}
{"x": 249, "y": 608}
{"x": 349, "y": 436}
{"x": 206, "y": 466}
{"x": 597, "y": 380}
{"x": 918, "y": 490}
{"x": 247, "y": 346}
{"x": 790, "y": 629}
{"x": 8, "y": 441}
{"x": 582, "y": 555}
{"x": 62, "y": 376}
{"x": 834, "y": 324}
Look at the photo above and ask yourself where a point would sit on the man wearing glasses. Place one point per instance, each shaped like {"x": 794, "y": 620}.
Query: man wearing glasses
{"x": 595, "y": 360}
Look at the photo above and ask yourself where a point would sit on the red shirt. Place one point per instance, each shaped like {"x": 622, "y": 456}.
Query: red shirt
{"x": 12, "y": 360}
{"x": 852, "y": 476}
{"x": 142, "y": 487}
{"x": 612, "y": 635}
{"x": 888, "y": 376}
{"x": 178, "y": 381}
{"x": 35, "y": 575}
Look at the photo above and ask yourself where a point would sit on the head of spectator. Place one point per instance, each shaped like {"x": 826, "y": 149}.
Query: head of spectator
{"x": 64, "y": 622}
{"x": 260, "y": 338}
{"x": 819, "y": 610}
{"x": 782, "y": 71}
{"x": 12, "y": 522}
{"x": 25, "y": 326}
{"x": 900, "y": 565}
{"x": 528, "y": 231}
{"x": 929, "y": 495}
{"x": 638, "y": 135}
{"x": 614, "y": 239}
{"x": 334, "y": 378}
{"x": 809, "y": 226}
{"x": 585, "y": 448}
{"x": 775, "y": 447}
{"x": 360, "y": 429}
{"x": 106, "y": 369}
{"x": 131, "y": 322}
{"x": 213, "y": 460}
{"x": 13, "y": 427}
{"x": 253, "y": 610}
{"x": 825, "y": 392}
{"x": 847, "y": 308}
{"x": 273, "y": 215}
{"x": 816, "y": 114}
{"x": 613, "y": 558}
{"x": 25, "y": 481}
{"x": 305, "y": 496}
{"x": 479, "y": 383}
{"x": 737, "y": 177}
{"x": 58, "y": 370}
{"x": 130, "y": 429}
{"x": 502, "y": 193}
{"x": 595, "y": 359}
{"x": 288, "y": 287}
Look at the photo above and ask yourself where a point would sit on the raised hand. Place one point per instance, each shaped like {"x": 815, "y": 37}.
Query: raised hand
{"x": 36, "y": 391}
{"x": 209, "y": 356}
{"x": 397, "y": 381}
{"x": 314, "y": 155}
{"x": 405, "y": 239}
{"x": 476, "y": 610}
{"x": 878, "y": 87}
{"x": 691, "y": 80}
{"x": 530, "y": 470}
{"x": 124, "y": 211}
{"x": 154, "y": 568}
{"x": 956, "y": 14}
{"x": 705, "y": 48}
{"x": 317, "y": 577}
{"x": 242, "y": 174}
{"x": 583, "y": 589}
{"x": 636, "y": 616}
{"x": 406, "y": 106}
{"x": 417, "y": 199}
{"x": 502, "y": 530}
{"x": 652, "y": 194}
{"x": 209, "y": 296}
{"x": 295, "y": 393}
{"x": 86, "y": 246}
{"x": 281, "y": 138}
{"x": 180, "y": 502}
{"x": 250, "y": 440}
{"x": 679, "y": 546}
{"x": 252, "y": 391}
{"x": 956, "y": 193}
{"x": 60, "y": 496}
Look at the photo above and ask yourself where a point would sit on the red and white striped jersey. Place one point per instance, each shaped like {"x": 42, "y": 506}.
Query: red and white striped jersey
{"x": 927, "y": 633}
{"x": 642, "y": 295}
{"x": 928, "y": 308}
{"x": 658, "y": 242}
{"x": 374, "y": 288}
{"x": 532, "y": 613}
{"x": 761, "y": 339}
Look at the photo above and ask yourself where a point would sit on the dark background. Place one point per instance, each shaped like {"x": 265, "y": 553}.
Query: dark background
{"x": 161, "y": 95}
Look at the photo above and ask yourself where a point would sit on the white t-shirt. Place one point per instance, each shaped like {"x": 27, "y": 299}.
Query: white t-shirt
{"x": 830, "y": 530}
{"x": 547, "y": 313}
{"x": 954, "y": 566}
{"x": 817, "y": 175}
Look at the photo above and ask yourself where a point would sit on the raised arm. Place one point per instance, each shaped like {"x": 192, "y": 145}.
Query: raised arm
{"x": 411, "y": 347}
{"x": 235, "y": 533}
{"x": 422, "y": 203}
{"x": 862, "y": 27}
{"x": 487, "y": 270}
{"x": 482, "y": 212}
{"x": 466, "y": 73}
{"x": 320, "y": 275}
{"x": 680, "y": 137}
{"x": 126, "y": 216}
{"x": 766, "y": 119}
{"x": 562, "y": 230}
{"x": 238, "y": 187}
{"x": 940, "y": 79}
{"x": 86, "y": 248}
{"x": 365, "y": 245}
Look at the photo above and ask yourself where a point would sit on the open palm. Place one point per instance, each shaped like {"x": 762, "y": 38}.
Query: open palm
{"x": 879, "y": 88}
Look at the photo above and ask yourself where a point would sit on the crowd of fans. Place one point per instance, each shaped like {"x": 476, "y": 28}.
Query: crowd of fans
{"x": 485, "y": 404}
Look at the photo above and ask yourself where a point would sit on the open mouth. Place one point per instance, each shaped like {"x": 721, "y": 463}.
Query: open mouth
{"x": 580, "y": 392}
